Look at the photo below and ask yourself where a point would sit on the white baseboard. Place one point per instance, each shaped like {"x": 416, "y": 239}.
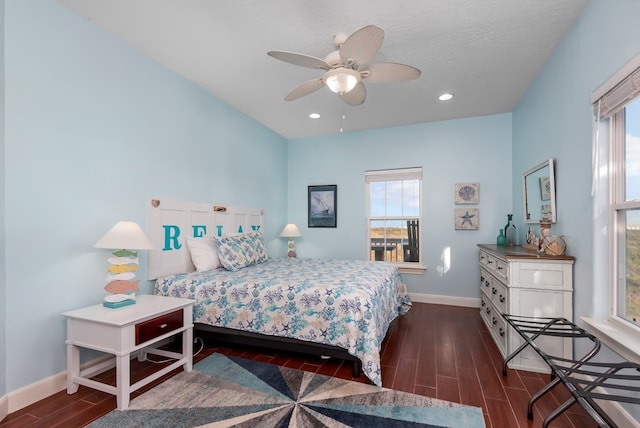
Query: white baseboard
{"x": 36, "y": 391}
{"x": 4, "y": 407}
{"x": 468, "y": 302}
{"x": 29, "y": 394}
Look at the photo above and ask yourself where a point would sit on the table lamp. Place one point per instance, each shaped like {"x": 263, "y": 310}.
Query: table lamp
{"x": 291, "y": 231}
{"x": 125, "y": 237}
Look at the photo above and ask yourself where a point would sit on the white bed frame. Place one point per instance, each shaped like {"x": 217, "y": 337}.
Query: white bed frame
{"x": 171, "y": 223}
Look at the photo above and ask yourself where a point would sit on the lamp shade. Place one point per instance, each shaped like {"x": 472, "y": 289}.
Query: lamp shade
{"x": 341, "y": 80}
{"x": 290, "y": 231}
{"x": 125, "y": 235}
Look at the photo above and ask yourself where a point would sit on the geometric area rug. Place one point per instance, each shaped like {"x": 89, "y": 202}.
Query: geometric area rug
{"x": 225, "y": 391}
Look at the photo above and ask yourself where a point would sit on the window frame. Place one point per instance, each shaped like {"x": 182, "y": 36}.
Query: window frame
{"x": 396, "y": 175}
{"x": 610, "y": 102}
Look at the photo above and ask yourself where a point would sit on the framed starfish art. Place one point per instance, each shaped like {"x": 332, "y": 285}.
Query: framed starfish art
{"x": 467, "y": 218}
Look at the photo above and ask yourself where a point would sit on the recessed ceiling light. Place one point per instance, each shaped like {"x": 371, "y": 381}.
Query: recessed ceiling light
{"x": 314, "y": 115}
{"x": 445, "y": 97}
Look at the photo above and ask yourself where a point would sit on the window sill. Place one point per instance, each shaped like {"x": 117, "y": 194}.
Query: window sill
{"x": 621, "y": 338}
{"x": 411, "y": 270}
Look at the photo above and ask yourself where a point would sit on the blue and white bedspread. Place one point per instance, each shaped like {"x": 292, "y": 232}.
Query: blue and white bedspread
{"x": 345, "y": 303}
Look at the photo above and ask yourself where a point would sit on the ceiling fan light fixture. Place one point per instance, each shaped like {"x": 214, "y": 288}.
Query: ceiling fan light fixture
{"x": 341, "y": 80}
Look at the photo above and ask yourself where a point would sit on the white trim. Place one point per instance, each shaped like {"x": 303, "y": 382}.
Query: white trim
{"x": 467, "y": 302}
{"x": 616, "y": 78}
{"x": 622, "y": 339}
{"x": 414, "y": 173}
{"x": 32, "y": 393}
{"x": 4, "y": 407}
{"x": 36, "y": 391}
{"x": 411, "y": 270}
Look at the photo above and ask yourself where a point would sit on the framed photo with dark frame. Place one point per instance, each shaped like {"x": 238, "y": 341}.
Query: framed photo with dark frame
{"x": 323, "y": 206}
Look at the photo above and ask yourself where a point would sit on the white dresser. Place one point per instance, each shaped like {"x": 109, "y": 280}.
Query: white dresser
{"x": 519, "y": 281}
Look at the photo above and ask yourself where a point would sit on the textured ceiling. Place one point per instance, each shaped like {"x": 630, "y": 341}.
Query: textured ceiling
{"x": 486, "y": 52}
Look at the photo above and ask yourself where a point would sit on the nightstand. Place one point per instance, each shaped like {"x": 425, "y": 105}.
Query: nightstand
{"x": 123, "y": 331}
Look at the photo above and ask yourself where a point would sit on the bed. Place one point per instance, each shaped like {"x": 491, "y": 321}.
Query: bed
{"x": 338, "y": 308}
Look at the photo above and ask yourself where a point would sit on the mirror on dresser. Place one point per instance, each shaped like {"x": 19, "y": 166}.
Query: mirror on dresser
{"x": 539, "y": 193}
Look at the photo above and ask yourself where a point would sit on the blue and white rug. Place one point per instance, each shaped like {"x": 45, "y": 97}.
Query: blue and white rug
{"x": 225, "y": 391}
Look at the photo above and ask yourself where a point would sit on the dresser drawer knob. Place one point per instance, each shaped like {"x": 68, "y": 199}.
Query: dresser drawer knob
{"x": 499, "y": 267}
{"x": 163, "y": 326}
{"x": 501, "y": 332}
{"x": 494, "y": 290}
{"x": 494, "y": 321}
{"x": 488, "y": 310}
{"x": 501, "y": 298}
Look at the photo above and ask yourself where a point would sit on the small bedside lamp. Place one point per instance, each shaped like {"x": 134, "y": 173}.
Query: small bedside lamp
{"x": 124, "y": 237}
{"x": 291, "y": 231}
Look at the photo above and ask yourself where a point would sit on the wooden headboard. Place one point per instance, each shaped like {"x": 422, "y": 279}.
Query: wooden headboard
{"x": 170, "y": 223}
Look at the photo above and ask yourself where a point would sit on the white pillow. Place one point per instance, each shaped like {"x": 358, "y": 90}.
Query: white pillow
{"x": 204, "y": 254}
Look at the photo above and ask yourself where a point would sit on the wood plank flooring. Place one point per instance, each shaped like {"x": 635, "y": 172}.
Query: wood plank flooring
{"x": 435, "y": 350}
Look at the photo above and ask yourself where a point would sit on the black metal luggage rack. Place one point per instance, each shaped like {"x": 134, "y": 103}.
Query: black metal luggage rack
{"x": 618, "y": 382}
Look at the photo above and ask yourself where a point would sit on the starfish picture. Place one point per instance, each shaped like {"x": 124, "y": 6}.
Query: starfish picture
{"x": 466, "y": 219}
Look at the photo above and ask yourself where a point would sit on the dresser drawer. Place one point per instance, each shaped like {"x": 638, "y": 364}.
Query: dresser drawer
{"x": 499, "y": 328}
{"x": 502, "y": 269}
{"x": 485, "y": 307}
{"x": 499, "y": 296}
{"x": 485, "y": 281}
{"x": 158, "y": 326}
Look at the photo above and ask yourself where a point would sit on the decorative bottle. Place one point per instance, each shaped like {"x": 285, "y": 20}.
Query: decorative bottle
{"x": 510, "y": 230}
{"x": 502, "y": 239}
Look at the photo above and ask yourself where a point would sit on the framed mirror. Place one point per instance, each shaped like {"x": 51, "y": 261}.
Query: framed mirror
{"x": 539, "y": 193}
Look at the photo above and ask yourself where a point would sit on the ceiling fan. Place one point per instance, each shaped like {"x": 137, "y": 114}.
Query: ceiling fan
{"x": 346, "y": 68}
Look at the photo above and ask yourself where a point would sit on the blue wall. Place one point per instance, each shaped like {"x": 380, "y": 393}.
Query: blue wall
{"x": 555, "y": 120}
{"x": 466, "y": 150}
{"x": 94, "y": 130}
{"x": 3, "y": 282}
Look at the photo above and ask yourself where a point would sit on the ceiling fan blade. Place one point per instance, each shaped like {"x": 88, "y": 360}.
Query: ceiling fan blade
{"x": 299, "y": 59}
{"x": 356, "y": 96}
{"x": 305, "y": 89}
{"x": 362, "y": 45}
{"x": 390, "y": 72}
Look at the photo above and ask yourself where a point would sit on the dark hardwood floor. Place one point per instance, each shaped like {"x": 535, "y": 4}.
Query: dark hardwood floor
{"x": 435, "y": 350}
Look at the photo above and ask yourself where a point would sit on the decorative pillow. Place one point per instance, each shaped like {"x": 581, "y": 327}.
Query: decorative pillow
{"x": 239, "y": 251}
{"x": 203, "y": 253}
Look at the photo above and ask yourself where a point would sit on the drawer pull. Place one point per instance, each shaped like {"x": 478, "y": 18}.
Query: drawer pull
{"x": 163, "y": 326}
{"x": 501, "y": 332}
{"x": 494, "y": 321}
{"x": 486, "y": 283}
{"x": 488, "y": 310}
{"x": 499, "y": 267}
{"x": 490, "y": 261}
{"x": 501, "y": 298}
{"x": 494, "y": 290}
{"x": 484, "y": 303}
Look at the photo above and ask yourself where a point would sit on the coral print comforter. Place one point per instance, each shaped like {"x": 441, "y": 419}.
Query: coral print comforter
{"x": 345, "y": 303}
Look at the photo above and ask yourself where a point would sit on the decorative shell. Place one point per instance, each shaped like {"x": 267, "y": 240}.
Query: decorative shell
{"x": 467, "y": 193}
{"x": 554, "y": 245}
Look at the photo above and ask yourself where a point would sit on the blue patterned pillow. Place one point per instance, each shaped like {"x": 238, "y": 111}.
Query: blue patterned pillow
{"x": 239, "y": 251}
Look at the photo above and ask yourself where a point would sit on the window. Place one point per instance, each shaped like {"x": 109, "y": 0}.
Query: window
{"x": 625, "y": 211}
{"x": 394, "y": 202}
{"x": 616, "y": 191}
